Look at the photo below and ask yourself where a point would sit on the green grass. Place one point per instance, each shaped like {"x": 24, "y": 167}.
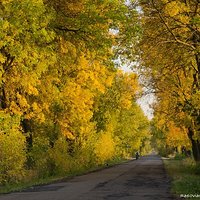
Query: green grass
{"x": 185, "y": 176}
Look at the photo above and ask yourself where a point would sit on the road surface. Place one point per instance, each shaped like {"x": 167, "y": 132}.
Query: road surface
{"x": 143, "y": 179}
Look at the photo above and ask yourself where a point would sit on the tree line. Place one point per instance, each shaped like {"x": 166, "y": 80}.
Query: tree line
{"x": 170, "y": 54}
{"x": 64, "y": 105}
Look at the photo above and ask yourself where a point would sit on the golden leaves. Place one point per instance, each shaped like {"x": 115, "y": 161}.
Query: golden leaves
{"x": 75, "y": 7}
{"x": 22, "y": 101}
{"x": 126, "y": 101}
{"x": 68, "y": 134}
{"x": 6, "y": 1}
{"x": 174, "y": 8}
{"x": 15, "y": 109}
{"x": 2, "y": 58}
{"x": 176, "y": 136}
{"x": 32, "y": 90}
{"x": 104, "y": 148}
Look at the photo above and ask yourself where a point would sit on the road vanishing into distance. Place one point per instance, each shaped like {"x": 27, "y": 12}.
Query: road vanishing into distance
{"x": 143, "y": 179}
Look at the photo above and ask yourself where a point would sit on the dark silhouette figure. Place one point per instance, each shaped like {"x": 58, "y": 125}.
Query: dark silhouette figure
{"x": 137, "y": 155}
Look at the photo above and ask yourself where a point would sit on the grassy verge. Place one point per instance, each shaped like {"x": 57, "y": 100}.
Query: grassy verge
{"x": 47, "y": 180}
{"x": 185, "y": 176}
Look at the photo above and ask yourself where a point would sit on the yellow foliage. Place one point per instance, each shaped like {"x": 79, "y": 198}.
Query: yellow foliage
{"x": 2, "y": 58}
{"x": 35, "y": 107}
{"x": 125, "y": 101}
{"x": 104, "y": 148}
{"x": 196, "y": 100}
{"x": 15, "y": 109}
{"x": 57, "y": 63}
{"x": 174, "y": 8}
{"x": 67, "y": 134}
{"x": 6, "y": 1}
{"x": 177, "y": 137}
{"x": 67, "y": 48}
{"x": 40, "y": 117}
{"x": 92, "y": 72}
{"x": 29, "y": 115}
{"x": 22, "y": 101}
{"x": 75, "y": 7}
{"x": 32, "y": 90}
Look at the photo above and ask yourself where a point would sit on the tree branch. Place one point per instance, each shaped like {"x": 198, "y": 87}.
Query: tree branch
{"x": 169, "y": 29}
{"x": 62, "y": 28}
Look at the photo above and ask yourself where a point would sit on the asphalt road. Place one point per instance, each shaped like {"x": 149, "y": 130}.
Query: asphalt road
{"x": 143, "y": 179}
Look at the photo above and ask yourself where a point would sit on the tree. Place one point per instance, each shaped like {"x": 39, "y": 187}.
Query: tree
{"x": 170, "y": 49}
{"x": 116, "y": 112}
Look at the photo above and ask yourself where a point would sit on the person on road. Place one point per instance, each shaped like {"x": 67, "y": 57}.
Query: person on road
{"x": 137, "y": 155}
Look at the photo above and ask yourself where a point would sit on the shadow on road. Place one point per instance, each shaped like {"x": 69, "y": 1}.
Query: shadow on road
{"x": 142, "y": 179}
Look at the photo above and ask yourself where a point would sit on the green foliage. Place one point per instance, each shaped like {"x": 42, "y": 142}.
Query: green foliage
{"x": 39, "y": 155}
{"x": 12, "y": 149}
{"x": 179, "y": 156}
{"x": 197, "y": 169}
{"x": 59, "y": 159}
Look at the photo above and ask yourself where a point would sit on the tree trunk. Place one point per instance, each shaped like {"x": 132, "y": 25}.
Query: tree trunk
{"x": 25, "y": 124}
{"x": 195, "y": 145}
{"x": 3, "y": 104}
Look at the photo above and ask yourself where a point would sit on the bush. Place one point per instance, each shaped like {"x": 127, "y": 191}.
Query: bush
{"x": 59, "y": 158}
{"x": 105, "y": 148}
{"x": 12, "y": 149}
{"x": 39, "y": 156}
{"x": 197, "y": 169}
{"x": 179, "y": 156}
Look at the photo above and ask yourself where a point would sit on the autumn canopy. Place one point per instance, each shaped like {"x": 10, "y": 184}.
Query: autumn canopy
{"x": 64, "y": 105}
